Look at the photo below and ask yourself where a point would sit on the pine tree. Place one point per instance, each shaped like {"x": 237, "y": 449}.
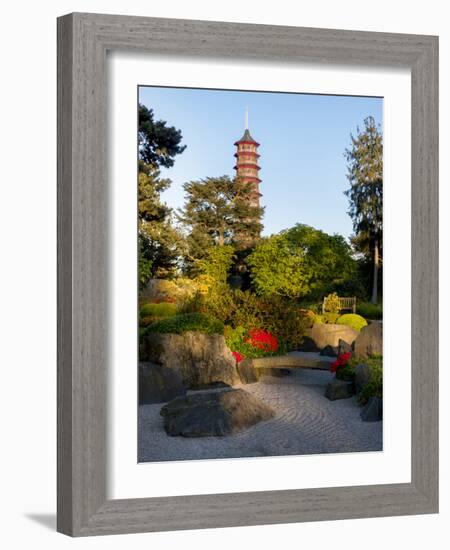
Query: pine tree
{"x": 160, "y": 243}
{"x": 365, "y": 175}
{"x": 217, "y": 212}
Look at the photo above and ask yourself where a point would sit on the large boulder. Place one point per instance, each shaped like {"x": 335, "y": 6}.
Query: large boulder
{"x": 214, "y": 413}
{"x": 339, "y": 389}
{"x": 344, "y": 347}
{"x": 329, "y": 335}
{"x": 370, "y": 340}
{"x": 330, "y": 351}
{"x": 200, "y": 359}
{"x": 362, "y": 377}
{"x": 247, "y": 372}
{"x": 158, "y": 384}
{"x": 373, "y": 410}
{"x": 308, "y": 343}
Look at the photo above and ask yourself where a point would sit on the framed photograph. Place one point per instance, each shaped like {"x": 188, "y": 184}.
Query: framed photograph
{"x": 247, "y": 274}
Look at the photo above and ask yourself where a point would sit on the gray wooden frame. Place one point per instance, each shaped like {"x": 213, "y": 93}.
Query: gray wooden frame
{"x": 83, "y": 40}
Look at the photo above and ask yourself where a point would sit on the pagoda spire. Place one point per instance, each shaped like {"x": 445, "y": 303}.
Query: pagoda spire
{"x": 247, "y": 168}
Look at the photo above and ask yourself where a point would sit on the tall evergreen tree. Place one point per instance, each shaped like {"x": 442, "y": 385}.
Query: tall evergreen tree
{"x": 365, "y": 175}
{"x": 217, "y": 211}
{"x": 158, "y": 143}
{"x": 160, "y": 243}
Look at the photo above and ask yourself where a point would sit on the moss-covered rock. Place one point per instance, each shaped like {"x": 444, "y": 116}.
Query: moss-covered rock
{"x": 200, "y": 359}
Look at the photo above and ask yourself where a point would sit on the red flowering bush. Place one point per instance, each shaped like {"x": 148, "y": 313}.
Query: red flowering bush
{"x": 262, "y": 340}
{"x": 251, "y": 343}
{"x": 238, "y": 356}
{"x": 341, "y": 361}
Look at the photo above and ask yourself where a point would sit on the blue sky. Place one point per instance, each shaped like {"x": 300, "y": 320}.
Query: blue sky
{"x": 302, "y": 137}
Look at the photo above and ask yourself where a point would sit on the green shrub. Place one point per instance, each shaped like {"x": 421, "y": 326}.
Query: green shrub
{"x": 330, "y": 318}
{"x": 314, "y": 307}
{"x": 285, "y": 320}
{"x": 374, "y": 388}
{"x": 163, "y": 309}
{"x": 178, "y": 324}
{"x": 217, "y": 263}
{"x": 331, "y": 304}
{"x": 238, "y": 308}
{"x": 352, "y": 320}
{"x": 151, "y": 312}
{"x": 238, "y": 340}
{"x": 346, "y": 373}
{"x": 326, "y": 318}
{"x": 369, "y": 311}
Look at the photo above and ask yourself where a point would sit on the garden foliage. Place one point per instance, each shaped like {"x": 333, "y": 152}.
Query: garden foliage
{"x": 374, "y": 388}
{"x": 249, "y": 344}
{"x": 331, "y": 303}
{"x": 151, "y": 312}
{"x": 301, "y": 262}
{"x": 345, "y": 366}
{"x": 352, "y": 320}
{"x": 369, "y": 311}
{"x": 178, "y": 324}
{"x": 243, "y": 308}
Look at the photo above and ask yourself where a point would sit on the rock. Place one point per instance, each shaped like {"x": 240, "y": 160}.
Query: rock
{"x": 200, "y": 359}
{"x": 370, "y": 340}
{"x": 214, "y": 413}
{"x": 329, "y": 351}
{"x": 344, "y": 347}
{"x": 158, "y": 384}
{"x": 329, "y": 335}
{"x": 362, "y": 376}
{"x": 308, "y": 344}
{"x": 247, "y": 373}
{"x": 373, "y": 411}
{"x": 339, "y": 389}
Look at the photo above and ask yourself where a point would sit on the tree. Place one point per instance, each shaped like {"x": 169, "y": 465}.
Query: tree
{"x": 158, "y": 143}
{"x": 278, "y": 269}
{"x": 365, "y": 175}
{"x": 301, "y": 262}
{"x": 217, "y": 264}
{"x": 216, "y": 213}
{"x": 160, "y": 243}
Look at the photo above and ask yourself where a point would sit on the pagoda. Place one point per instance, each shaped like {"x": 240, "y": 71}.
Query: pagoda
{"x": 247, "y": 168}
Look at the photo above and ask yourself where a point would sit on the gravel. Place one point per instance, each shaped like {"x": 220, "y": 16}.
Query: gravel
{"x": 305, "y": 423}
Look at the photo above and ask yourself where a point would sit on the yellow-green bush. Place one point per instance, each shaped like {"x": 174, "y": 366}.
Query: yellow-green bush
{"x": 149, "y": 313}
{"x": 325, "y": 318}
{"x": 331, "y": 304}
{"x": 163, "y": 309}
{"x": 352, "y": 320}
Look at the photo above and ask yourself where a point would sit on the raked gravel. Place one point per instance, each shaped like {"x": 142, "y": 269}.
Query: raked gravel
{"x": 305, "y": 423}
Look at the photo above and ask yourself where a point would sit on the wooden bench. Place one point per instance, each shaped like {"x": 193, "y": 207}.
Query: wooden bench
{"x": 347, "y": 303}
